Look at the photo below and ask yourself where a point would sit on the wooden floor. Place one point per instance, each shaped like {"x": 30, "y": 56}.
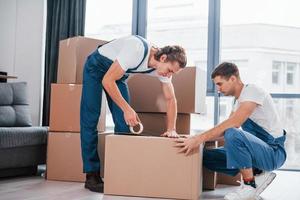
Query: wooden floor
{"x": 286, "y": 186}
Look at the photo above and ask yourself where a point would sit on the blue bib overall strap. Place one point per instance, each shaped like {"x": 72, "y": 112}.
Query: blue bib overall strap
{"x": 145, "y": 55}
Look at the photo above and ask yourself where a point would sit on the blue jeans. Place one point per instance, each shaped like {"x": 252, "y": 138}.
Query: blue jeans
{"x": 251, "y": 147}
{"x": 94, "y": 70}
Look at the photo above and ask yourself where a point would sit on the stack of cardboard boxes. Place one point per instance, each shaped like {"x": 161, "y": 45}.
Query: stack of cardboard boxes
{"x": 150, "y": 166}
{"x": 148, "y": 100}
{"x": 64, "y": 152}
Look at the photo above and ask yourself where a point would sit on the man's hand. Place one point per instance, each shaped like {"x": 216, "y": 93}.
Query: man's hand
{"x": 170, "y": 134}
{"x": 131, "y": 118}
{"x": 187, "y": 145}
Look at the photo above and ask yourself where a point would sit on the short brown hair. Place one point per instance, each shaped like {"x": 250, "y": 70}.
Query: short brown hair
{"x": 226, "y": 70}
{"x": 174, "y": 54}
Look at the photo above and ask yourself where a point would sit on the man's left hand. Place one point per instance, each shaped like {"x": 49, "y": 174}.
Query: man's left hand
{"x": 187, "y": 145}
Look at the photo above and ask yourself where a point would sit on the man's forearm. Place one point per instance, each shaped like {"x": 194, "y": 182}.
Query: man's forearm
{"x": 216, "y": 132}
{"x": 114, "y": 92}
{"x": 171, "y": 114}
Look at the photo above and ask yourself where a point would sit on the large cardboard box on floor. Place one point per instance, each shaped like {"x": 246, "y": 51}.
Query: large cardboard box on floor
{"x": 65, "y": 108}
{"x": 189, "y": 86}
{"x": 64, "y": 162}
{"x": 156, "y": 123}
{"x": 72, "y": 56}
{"x": 150, "y": 167}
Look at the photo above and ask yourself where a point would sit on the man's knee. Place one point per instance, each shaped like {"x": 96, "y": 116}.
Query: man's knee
{"x": 232, "y": 134}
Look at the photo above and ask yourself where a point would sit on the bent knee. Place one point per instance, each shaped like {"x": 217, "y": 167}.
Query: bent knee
{"x": 232, "y": 134}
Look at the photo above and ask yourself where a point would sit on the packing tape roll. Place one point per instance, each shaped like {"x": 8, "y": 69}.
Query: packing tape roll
{"x": 137, "y": 132}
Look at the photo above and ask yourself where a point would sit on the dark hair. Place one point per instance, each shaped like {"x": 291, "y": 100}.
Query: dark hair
{"x": 174, "y": 54}
{"x": 226, "y": 70}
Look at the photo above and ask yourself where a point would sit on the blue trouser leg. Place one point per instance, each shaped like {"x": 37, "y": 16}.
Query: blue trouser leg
{"x": 244, "y": 150}
{"x": 89, "y": 115}
{"x": 117, "y": 113}
{"x": 215, "y": 160}
{"x": 94, "y": 70}
{"x": 251, "y": 147}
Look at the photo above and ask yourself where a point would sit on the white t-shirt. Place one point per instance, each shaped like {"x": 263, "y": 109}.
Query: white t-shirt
{"x": 129, "y": 51}
{"x": 265, "y": 114}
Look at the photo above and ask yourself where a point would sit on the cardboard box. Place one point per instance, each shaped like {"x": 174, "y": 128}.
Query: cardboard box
{"x": 156, "y": 123}
{"x": 64, "y": 161}
{"x": 228, "y": 180}
{"x": 72, "y": 56}
{"x": 101, "y": 150}
{"x": 65, "y": 108}
{"x": 150, "y": 167}
{"x": 209, "y": 177}
{"x": 189, "y": 86}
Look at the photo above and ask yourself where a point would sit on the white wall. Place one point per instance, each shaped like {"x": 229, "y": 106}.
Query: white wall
{"x": 22, "y": 36}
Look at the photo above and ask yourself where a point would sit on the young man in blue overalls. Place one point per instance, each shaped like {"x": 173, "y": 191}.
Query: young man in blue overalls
{"x": 108, "y": 68}
{"x": 258, "y": 145}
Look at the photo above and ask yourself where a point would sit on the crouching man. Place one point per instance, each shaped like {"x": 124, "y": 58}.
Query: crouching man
{"x": 259, "y": 144}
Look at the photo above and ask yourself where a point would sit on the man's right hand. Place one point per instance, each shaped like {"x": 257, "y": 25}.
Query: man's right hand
{"x": 131, "y": 118}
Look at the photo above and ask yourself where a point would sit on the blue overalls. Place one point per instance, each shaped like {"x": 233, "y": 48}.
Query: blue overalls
{"x": 94, "y": 70}
{"x": 251, "y": 147}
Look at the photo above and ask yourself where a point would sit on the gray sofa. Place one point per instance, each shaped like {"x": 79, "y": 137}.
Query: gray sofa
{"x": 22, "y": 146}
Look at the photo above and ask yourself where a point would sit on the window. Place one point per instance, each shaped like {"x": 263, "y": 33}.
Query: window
{"x": 108, "y": 20}
{"x": 243, "y": 68}
{"x": 289, "y": 108}
{"x": 276, "y": 72}
{"x": 181, "y": 22}
{"x": 184, "y": 23}
{"x": 268, "y": 39}
{"x": 223, "y": 109}
{"x": 290, "y": 73}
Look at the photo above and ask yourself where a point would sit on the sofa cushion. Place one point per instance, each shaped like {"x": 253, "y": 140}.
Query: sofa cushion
{"x": 22, "y": 136}
{"x": 14, "y": 107}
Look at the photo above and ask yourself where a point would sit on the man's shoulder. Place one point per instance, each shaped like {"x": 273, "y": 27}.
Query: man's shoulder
{"x": 254, "y": 88}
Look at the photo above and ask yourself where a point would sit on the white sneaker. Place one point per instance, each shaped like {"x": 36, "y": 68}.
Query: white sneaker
{"x": 245, "y": 192}
{"x": 263, "y": 181}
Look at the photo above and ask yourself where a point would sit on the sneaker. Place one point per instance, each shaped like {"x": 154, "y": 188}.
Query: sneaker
{"x": 94, "y": 182}
{"x": 263, "y": 181}
{"x": 245, "y": 192}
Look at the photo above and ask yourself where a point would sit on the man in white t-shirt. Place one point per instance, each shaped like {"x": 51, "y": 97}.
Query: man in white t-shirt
{"x": 108, "y": 68}
{"x": 259, "y": 144}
